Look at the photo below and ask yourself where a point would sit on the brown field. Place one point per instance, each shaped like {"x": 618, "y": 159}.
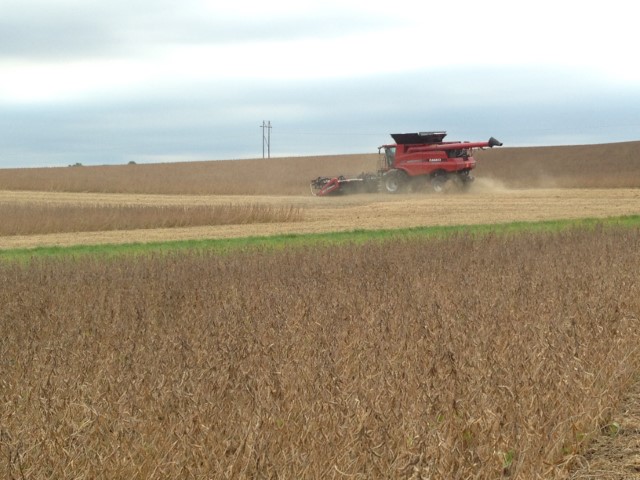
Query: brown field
{"x": 513, "y": 184}
{"x": 490, "y": 358}
{"x": 589, "y": 166}
{"x": 460, "y": 358}
{"x": 282, "y": 176}
{"x": 585, "y": 166}
{"x": 29, "y": 218}
{"x": 615, "y": 452}
{"x": 486, "y": 203}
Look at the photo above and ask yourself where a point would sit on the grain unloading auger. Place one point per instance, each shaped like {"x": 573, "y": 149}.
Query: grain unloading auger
{"x": 420, "y": 160}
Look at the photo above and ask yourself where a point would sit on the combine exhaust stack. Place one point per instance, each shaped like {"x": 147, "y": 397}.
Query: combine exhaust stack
{"x": 416, "y": 159}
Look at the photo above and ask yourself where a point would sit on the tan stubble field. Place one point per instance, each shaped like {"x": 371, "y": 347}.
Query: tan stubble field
{"x": 487, "y": 203}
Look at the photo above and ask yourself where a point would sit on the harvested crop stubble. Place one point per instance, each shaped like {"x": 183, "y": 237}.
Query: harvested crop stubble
{"x": 37, "y": 218}
{"x": 455, "y": 358}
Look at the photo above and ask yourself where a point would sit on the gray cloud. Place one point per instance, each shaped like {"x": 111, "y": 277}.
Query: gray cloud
{"x": 41, "y": 30}
{"x": 187, "y": 119}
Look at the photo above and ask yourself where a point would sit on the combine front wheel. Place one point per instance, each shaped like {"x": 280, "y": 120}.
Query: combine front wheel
{"x": 394, "y": 180}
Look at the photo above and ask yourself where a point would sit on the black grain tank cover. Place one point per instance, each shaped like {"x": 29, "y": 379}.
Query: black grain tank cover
{"x": 420, "y": 137}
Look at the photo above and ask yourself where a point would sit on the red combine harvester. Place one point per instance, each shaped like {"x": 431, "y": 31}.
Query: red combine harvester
{"x": 417, "y": 160}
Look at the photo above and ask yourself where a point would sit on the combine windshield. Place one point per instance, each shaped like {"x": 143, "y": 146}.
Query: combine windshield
{"x": 390, "y": 156}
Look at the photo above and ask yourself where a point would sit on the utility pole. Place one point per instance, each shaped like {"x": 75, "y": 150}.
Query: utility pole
{"x": 266, "y": 137}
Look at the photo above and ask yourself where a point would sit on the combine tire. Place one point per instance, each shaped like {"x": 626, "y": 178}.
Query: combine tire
{"x": 438, "y": 182}
{"x": 394, "y": 181}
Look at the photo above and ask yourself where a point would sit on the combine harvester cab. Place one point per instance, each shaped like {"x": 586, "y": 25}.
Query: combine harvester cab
{"x": 420, "y": 160}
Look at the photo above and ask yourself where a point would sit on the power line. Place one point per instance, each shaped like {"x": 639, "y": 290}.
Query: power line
{"x": 341, "y": 134}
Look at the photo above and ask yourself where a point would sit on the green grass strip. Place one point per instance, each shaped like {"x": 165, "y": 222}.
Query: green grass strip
{"x": 278, "y": 242}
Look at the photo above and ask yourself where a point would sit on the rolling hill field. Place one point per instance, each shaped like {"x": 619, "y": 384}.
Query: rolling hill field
{"x": 587, "y": 166}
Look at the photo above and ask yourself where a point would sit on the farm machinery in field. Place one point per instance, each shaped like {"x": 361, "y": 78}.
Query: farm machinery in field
{"x": 418, "y": 160}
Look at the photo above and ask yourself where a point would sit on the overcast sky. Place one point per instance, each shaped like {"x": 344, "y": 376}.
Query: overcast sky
{"x": 107, "y": 82}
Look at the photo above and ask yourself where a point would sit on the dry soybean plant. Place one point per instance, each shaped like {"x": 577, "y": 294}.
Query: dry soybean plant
{"x": 425, "y": 359}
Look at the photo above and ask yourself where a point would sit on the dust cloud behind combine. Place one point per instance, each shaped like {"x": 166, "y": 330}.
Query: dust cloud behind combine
{"x": 615, "y": 165}
{"x": 489, "y": 185}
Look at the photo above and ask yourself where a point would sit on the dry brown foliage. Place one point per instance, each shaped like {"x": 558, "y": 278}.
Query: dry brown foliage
{"x": 588, "y": 166}
{"x": 36, "y": 218}
{"x": 454, "y": 358}
{"x": 615, "y": 453}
